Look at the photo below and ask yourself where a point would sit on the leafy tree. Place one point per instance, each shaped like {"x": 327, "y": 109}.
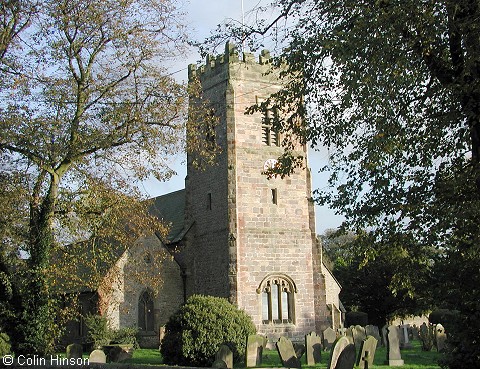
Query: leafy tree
{"x": 87, "y": 110}
{"x": 384, "y": 279}
{"x": 392, "y": 89}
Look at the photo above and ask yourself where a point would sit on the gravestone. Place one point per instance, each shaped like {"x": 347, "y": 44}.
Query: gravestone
{"x": 393, "y": 346}
{"x": 117, "y": 354}
{"x": 440, "y": 337}
{"x": 287, "y": 353}
{"x": 224, "y": 353}
{"x": 346, "y": 359}
{"x": 329, "y": 337}
{"x": 313, "y": 347}
{"x": 367, "y": 352}
{"x": 404, "y": 340}
{"x": 299, "y": 350}
{"x": 358, "y": 336}
{"x": 254, "y": 350}
{"x": 74, "y": 351}
{"x": 372, "y": 330}
{"x": 219, "y": 364}
{"x": 337, "y": 348}
{"x": 349, "y": 334}
{"x": 384, "y": 335}
{"x": 97, "y": 356}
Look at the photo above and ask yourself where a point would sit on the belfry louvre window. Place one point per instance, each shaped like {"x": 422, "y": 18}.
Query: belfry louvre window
{"x": 269, "y": 136}
{"x": 145, "y": 312}
{"x": 277, "y": 300}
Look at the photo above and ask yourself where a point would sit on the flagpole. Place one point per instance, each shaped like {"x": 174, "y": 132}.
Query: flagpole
{"x": 243, "y": 29}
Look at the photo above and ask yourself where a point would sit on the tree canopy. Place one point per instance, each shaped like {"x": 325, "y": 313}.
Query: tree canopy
{"x": 391, "y": 88}
{"x": 87, "y": 110}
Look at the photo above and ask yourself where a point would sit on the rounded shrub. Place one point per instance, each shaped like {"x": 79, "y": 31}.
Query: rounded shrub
{"x": 356, "y": 318}
{"x": 196, "y": 331}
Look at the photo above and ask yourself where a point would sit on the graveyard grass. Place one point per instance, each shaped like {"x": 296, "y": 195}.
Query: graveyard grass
{"x": 414, "y": 358}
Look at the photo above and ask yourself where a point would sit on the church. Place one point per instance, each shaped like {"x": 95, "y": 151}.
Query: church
{"x": 233, "y": 232}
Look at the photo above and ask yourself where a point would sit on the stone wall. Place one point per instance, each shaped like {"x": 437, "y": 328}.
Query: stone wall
{"x": 147, "y": 266}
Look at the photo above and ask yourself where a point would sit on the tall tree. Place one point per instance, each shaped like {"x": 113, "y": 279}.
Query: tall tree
{"x": 392, "y": 89}
{"x": 87, "y": 110}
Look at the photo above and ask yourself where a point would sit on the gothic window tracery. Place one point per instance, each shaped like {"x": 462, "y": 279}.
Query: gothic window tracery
{"x": 278, "y": 302}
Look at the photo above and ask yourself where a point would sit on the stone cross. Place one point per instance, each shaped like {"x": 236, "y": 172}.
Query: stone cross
{"x": 313, "y": 347}
{"x": 404, "y": 339}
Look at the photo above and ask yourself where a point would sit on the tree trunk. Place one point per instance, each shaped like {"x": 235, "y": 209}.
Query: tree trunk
{"x": 38, "y": 317}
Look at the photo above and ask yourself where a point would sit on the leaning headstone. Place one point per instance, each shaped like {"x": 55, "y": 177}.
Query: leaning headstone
{"x": 287, "y": 353}
{"x": 254, "y": 350}
{"x": 117, "y": 354}
{"x": 224, "y": 353}
{"x": 440, "y": 337}
{"x": 74, "y": 351}
{"x": 329, "y": 337}
{"x": 367, "y": 352}
{"x": 372, "y": 330}
{"x": 337, "y": 348}
{"x": 97, "y": 356}
{"x": 393, "y": 346}
{"x": 313, "y": 347}
{"x": 358, "y": 336}
{"x": 346, "y": 359}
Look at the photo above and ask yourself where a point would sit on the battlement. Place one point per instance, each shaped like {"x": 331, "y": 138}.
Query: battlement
{"x": 231, "y": 55}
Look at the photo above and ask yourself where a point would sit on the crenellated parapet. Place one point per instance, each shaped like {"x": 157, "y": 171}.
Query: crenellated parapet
{"x": 218, "y": 64}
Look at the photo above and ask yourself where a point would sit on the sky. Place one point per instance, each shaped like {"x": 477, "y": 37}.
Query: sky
{"x": 202, "y": 17}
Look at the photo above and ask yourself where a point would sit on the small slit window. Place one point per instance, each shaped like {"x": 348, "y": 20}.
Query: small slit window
{"x": 274, "y": 194}
{"x": 209, "y": 201}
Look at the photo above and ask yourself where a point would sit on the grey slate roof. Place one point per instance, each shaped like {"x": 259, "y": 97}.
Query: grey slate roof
{"x": 171, "y": 209}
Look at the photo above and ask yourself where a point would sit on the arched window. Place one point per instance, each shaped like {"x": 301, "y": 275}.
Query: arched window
{"x": 278, "y": 301}
{"x": 145, "y": 312}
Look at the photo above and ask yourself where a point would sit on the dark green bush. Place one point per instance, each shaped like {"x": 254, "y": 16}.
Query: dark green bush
{"x": 98, "y": 332}
{"x": 125, "y": 336}
{"x": 5, "y": 347}
{"x": 195, "y": 332}
{"x": 444, "y": 317}
{"x": 356, "y": 318}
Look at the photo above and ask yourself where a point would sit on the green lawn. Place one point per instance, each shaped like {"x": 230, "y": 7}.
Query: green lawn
{"x": 414, "y": 358}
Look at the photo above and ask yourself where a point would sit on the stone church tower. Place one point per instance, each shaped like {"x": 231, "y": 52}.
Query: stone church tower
{"x": 233, "y": 232}
{"x": 252, "y": 239}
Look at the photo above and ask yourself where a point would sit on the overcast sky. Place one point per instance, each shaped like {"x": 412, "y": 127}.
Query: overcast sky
{"x": 202, "y": 17}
